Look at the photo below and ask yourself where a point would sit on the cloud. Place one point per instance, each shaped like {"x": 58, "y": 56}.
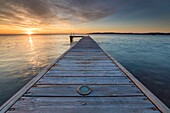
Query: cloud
{"x": 57, "y": 13}
{"x": 25, "y": 13}
{"x": 90, "y": 10}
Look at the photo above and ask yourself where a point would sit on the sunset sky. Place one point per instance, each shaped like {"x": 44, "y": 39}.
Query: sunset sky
{"x": 84, "y": 16}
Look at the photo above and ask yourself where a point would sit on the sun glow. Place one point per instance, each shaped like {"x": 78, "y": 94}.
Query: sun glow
{"x": 29, "y": 32}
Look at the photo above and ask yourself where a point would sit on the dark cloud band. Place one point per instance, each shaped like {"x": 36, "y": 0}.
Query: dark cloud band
{"x": 57, "y": 12}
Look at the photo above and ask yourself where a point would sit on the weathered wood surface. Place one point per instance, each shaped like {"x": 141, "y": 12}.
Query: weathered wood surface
{"x": 83, "y": 105}
{"x": 87, "y": 75}
{"x": 84, "y": 80}
{"x": 76, "y": 68}
{"x": 55, "y": 89}
{"x": 70, "y": 91}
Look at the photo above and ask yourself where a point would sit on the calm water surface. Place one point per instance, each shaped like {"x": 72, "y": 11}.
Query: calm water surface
{"x": 147, "y": 57}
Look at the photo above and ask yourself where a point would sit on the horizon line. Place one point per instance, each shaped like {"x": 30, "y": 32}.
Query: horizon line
{"x": 86, "y": 33}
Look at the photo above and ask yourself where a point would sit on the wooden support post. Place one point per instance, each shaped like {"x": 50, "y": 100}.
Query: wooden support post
{"x": 71, "y": 39}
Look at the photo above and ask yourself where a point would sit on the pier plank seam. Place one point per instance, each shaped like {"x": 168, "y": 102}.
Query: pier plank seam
{"x": 109, "y": 94}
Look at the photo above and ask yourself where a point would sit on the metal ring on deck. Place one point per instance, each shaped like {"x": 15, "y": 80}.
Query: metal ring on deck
{"x": 84, "y": 90}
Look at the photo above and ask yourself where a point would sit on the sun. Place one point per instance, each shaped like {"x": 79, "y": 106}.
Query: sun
{"x": 29, "y": 32}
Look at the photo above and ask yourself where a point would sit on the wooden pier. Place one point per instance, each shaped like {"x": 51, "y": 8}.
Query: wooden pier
{"x": 74, "y": 36}
{"x": 85, "y": 79}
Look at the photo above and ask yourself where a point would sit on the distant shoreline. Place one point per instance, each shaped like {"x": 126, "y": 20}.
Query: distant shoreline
{"x": 154, "y": 33}
{"x": 101, "y": 33}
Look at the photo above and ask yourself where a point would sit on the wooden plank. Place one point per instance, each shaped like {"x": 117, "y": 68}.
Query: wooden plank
{"x": 71, "y": 90}
{"x": 86, "y": 72}
{"x": 85, "y": 58}
{"x": 84, "y": 80}
{"x": 84, "y": 75}
{"x": 75, "y": 68}
{"x": 86, "y": 65}
{"x": 85, "y": 54}
{"x": 95, "y": 101}
{"x": 70, "y": 57}
{"x": 82, "y": 61}
{"x": 83, "y": 105}
{"x": 86, "y": 50}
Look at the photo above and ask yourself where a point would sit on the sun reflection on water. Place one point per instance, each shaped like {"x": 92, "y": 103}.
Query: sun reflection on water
{"x": 30, "y": 40}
